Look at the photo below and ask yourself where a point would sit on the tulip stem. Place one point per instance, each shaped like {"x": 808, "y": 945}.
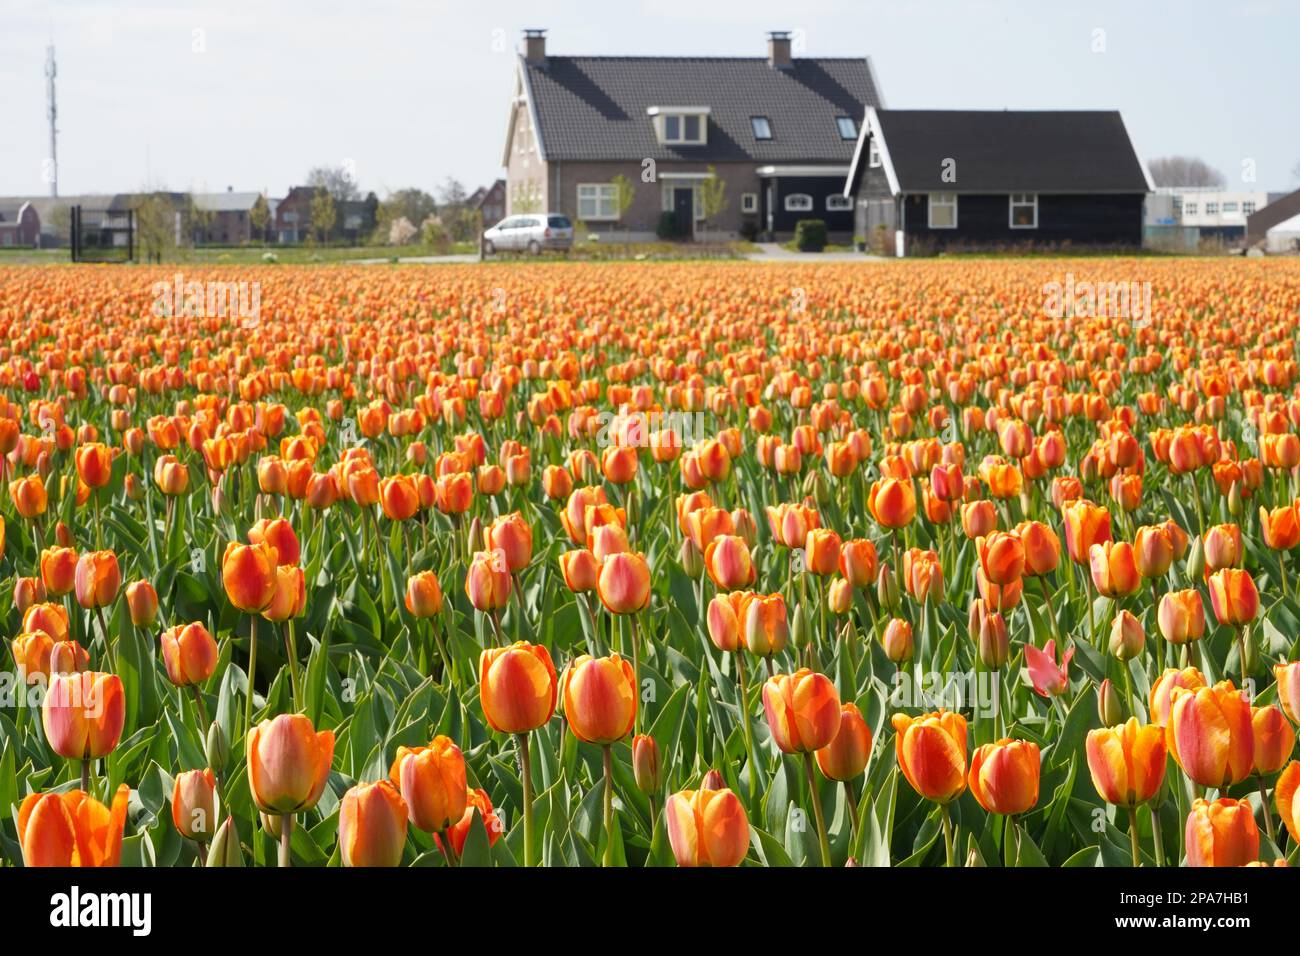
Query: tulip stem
{"x": 1157, "y": 838}
{"x": 609, "y": 806}
{"x": 852, "y": 803}
{"x": 636, "y": 671}
{"x": 1268, "y": 815}
{"x": 1133, "y": 836}
{"x": 286, "y": 837}
{"x": 85, "y": 775}
{"x": 948, "y": 842}
{"x": 108, "y": 643}
{"x": 749, "y": 730}
{"x": 291, "y": 652}
{"x": 201, "y": 709}
{"x": 526, "y": 775}
{"x": 817, "y": 808}
{"x": 252, "y": 671}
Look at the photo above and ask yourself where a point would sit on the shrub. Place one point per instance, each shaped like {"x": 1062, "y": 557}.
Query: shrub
{"x": 810, "y": 235}
{"x": 667, "y": 228}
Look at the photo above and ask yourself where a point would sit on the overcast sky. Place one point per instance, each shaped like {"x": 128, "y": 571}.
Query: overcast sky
{"x": 217, "y": 93}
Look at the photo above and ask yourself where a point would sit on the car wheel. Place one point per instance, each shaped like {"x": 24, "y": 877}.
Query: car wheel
{"x": 488, "y": 248}
{"x": 535, "y": 248}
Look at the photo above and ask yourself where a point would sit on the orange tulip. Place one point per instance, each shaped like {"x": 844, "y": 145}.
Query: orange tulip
{"x": 1209, "y": 734}
{"x": 517, "y": 687}
{"x": 802, "y": 709}
{"x": 487, "y": 582}
{"x": 288, "y": 763}
{"x": 1001, "y": 556}
{"x": 1127, "y": 762}
{"x": 892, "y": 502}
{"x": 279, "y": 534}
{"x": 194, "y": 804}
{"x": 72, "y": 829}
{"x": 398, "y": 497}
{"x": 581, "y": 570}
{"x": 728, "y": 562}
{"x": 1086, "y": 524}
{"x": 58, "y": 570}
{"x": 858, "y": 562}
{"x": 767, "y": 627}
{"x": 83, "y": 714}
{"x": 29, "y": 497}
{"x": 248, "y": 573}
{"x": 1233, "y": 596}
{"x": 707, "y": 828}
{"x": 822, "y": 551}
{"x": 1288, "y": 688}
{"x": 624, "y": 583}
{"x": 1181, "y": 616}
{"x": 424, "y": 594}
{"x": 476, "y": 804}
{"x": 189, "y": 654}
{"x": 1285, "y": 798}
{"x": 978, "y": 518}
{"x": 1041, "y": 545}
{"x": 1274, "y": 739}
{"x": 1114, "y": 569}
{"x": 725, "y": 616}
{"x": 600, "y": 698}
{"x": 1004, "y": 776}
{"x": 432, "y": 782}
{"x": 1222, "y": 833}
{"x": 50, "y": 618}
{"x": 1222, "y": 547}
{"x": 846, "y": 756}
{"x": 931, "y": 751}
{"x": 142, "y": 603}
{"x": 513, "y": 536}
{"x": 32, "y": 655}
{"x": 94, "y": 464}
{"x": 97, "y": 579}
{"x": 290, "y": 598}
{"x": 1162, "y": 691}
{"x": 372, "y": 825}
{"x": 1280, "y": 527}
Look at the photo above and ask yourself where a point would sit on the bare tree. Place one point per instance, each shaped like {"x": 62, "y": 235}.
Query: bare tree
{"x": 336, "y": 180}
{"x": 1185, "y": 171}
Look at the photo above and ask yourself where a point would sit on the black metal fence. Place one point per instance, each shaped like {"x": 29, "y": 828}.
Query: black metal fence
{"x": 102, "y": 235}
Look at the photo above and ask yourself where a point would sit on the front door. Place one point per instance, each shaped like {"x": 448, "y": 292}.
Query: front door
{"x": 684, "y": 210}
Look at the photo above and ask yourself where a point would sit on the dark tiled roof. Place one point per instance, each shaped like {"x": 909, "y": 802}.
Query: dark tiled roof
{"x": 594, "y": 107}
{"x": 1278, "y": 210}
{"x": 1044, "y": 151}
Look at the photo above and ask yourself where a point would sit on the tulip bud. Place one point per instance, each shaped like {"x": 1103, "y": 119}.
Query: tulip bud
{"x": 1127, "y": 637}
{"x": 994, "y": 641}
{"x": 691, "y": 558}
{"x": 217, "y": 747}
{"x": 646, "y": 768}
{"x": 142, "y": 602}
{"x": 224, "y": 850}
{"x": 1234, "y": 500}
{"x": 1250, "y": 664}
{"x": 815, "y": 487}
{"x": 1196, "y": 562}
{"x": 897, "y": 640}
{"x": 801, "y": 627}
{"x": 713, "y": 781}
{"x": 1108, "y": 706}
{"x": 887, "y": 588}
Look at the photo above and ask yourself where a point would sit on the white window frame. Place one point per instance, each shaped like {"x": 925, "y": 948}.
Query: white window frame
{"x": 1229, "y": 207}
{"x": 940, "y": 199}
{"x": 1211, "y": 208}
{"x": 790, "y": 206}
{"x": 682, "y": 139}
{"x": 1021, "y": 199}
{"x": 605, "y": 197}
{"x": 767, "y": 124}
{"x": 1248, "y": 207}
{"x": 841, "y": 203}
{"x": 749, "y": 203}
{"x": 873, "y": 153}
{"x": 1189, "y": 209}
{"x": 839, "y": 125}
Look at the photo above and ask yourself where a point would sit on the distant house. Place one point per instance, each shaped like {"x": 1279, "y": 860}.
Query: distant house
{"x": 293, "y": 215}
{"x": 1277, "y": 225}
{"x": 778, "y": 130}
{"x": 354, "y": 219}
{"x": 489, "y": 202}
{"x": 224, "y": 218}
{"x": 20, "y": 223}
{"x": 969, "y": 178}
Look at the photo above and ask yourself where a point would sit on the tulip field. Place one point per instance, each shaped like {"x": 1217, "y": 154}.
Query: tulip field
{"x": 651, "y": 564}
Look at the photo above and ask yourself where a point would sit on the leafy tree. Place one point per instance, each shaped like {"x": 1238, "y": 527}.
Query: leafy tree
{"x": 259, "y": 217}
{"x": 713, "y": 195}
{"x": 336, "y": 180}
{"x": 323, "y": 214}
{"x": 625, "y": 193}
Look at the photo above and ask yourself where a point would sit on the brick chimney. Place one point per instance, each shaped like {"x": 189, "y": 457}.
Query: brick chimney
{"x": 535, "y": 45}
{"x": 778, "y": 50}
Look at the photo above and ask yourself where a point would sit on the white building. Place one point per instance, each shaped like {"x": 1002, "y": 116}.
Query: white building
{"x": 1219, "y": 212}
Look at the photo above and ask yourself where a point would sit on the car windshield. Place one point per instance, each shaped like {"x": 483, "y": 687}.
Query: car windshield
{"x": 559, "y": 222}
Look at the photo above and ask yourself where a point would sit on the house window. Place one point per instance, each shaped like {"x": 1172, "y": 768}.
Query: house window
{"x": 597, "y": 202}
{"x": 1211, "y": 208}
{"x": 1024, "y": 211}
{"x": 762, "y": 128}
{"x": 687, "y": 128}
{"x": 798, "y": 202}
{"x": 1189, "y": 209}
{"x": 873, "y": 154}
{"x": 749, "y": 202}
{"x": 1248, "y": 207}
{"x": 838, "y": 203}
{"x": 943, "y": 211}
{"x": 848, "y": 128}
{"x": 1229, "y": 207}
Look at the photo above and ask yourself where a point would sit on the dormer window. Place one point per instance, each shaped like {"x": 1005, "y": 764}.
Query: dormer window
{"x": 762, "y": 127}
{"x": 680, "y": 125}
